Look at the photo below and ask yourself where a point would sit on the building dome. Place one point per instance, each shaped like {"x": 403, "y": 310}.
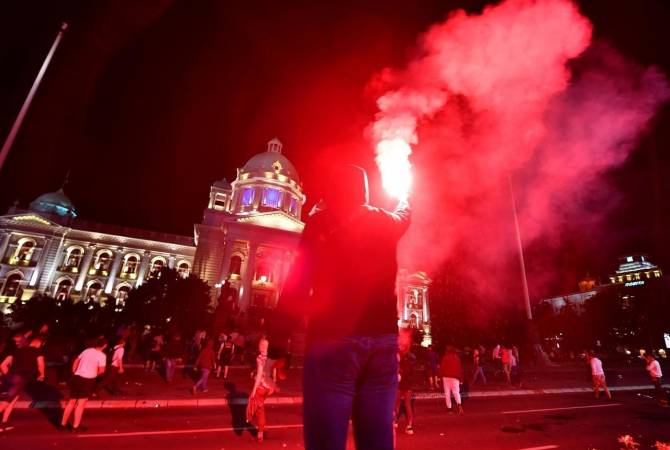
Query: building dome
{"x": 272, "y": 161}
{"x": 54, "y": 203}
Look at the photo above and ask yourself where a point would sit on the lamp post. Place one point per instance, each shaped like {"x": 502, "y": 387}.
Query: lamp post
{"x": 26, "y": 104}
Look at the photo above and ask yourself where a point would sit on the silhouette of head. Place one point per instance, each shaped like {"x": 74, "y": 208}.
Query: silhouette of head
{"x": 347, "y": 187}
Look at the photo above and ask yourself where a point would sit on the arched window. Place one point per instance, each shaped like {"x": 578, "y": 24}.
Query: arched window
{"x": 157, "y": 265}
{"x": 103, "y": 260}
{"x": 183, "y": 269}
{"x": 93, "y": 291}
{"x": 24, "y": 251}
{"x": 130, "y": 264}
{"x": 13, "y": 285}
{"x": 122, "y": 294}
{"x": 73, "y": 257}
{"x": 247, "y": 198}
{"x": 293, "y": 206}
{"x": 235, "y": 265}
{"x": 63, "y": 289}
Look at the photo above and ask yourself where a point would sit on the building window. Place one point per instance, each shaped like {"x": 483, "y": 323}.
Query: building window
{"x": 235, "y": 265}
{"x": 248, "y": 195}
{"x": 73, "y": 258}
{"x": 183, "y": 269}
{"x": 103, "y": 260}
{"x": 657, "y": 273}
{"x": 157, "y": 266}
{"x": 121, "y": 295}
{"x": 130, "y": 265}
{"x": 271, "y": 197}
{"x": 264, "y": 273}
{"x": 24, "y": 252}
{"x": 63, "y": 290}
{"x": 13, "y": 286}
{"x": 93, "y": 292}
{"x": 220, "y": 202}
{"x": 293, "y": 207}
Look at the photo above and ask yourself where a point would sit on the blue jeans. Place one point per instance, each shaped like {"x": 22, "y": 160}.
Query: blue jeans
{"x": 354, "y": 377}
{"x": 202, "y": 382}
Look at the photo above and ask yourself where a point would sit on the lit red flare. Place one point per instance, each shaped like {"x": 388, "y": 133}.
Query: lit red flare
{"x": 393, "y": 162}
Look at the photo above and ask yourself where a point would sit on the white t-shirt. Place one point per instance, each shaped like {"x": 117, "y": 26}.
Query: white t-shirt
{"x": 596, "y": 367}
{"x": 89, "y": 362}
{"x": 654, "y": 369}
{"x": 117, "y": 356}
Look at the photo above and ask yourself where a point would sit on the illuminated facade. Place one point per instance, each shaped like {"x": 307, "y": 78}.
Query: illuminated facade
{"x": 633, "y": 271}
{"x": 47, "y": 249}
{"x": 247, "y": 239}
{"x": 251, "y": 229}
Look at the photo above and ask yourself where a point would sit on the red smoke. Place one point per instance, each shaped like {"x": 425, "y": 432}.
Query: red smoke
{"x": 490, "y": 96}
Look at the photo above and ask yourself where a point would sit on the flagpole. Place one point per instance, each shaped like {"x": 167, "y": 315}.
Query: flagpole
{"x": 26, "y": 104}
{"x": 522, "y": 262}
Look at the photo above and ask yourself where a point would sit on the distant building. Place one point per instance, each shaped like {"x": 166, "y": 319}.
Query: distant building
{"x": 243, "y": 247}
{"x": 633, "y": 271}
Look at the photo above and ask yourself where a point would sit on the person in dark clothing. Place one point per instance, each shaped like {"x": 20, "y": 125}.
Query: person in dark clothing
{"x": 174, "y": 353}
{"x": 19, "y": 368}
{"x": 343, "y": 280}
{"x": 406, "y": 363}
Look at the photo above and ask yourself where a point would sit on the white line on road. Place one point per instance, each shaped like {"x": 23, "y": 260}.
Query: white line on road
{"x": 560, "y": 409}
{"x": 190, "y": 431}
{"x": 544, "y": 447}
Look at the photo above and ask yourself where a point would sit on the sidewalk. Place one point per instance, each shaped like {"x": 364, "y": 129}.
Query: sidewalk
{"x": 149, "y": 390}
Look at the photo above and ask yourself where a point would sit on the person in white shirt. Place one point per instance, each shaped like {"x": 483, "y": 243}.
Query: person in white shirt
{"x": 86, "y": 368}
{"x": 654, "y": 369}
{"x": 598, "y": 376}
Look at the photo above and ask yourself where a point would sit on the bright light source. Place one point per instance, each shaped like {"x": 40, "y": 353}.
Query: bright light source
{"x": 393, "y": 161}
{"x": 263, "y": 279}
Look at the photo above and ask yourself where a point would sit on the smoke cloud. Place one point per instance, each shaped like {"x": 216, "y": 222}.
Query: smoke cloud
{"x": 517, "y": 93}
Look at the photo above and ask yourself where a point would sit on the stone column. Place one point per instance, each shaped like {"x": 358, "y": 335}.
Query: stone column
{"x": 52, "y": 263}
{"x": 426, "y": 310}
{"x": 84, "y": 266}
{"x": 143, "y": 269}
{"x": 113, "y": 272}
{"x": 250, "y": 270}
{"x": 40, "y": 264}
{"x": 4, "y": 243}
{"x": 171, "y": 261}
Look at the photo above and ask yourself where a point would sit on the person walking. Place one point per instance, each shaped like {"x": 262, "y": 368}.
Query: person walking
{"x": 225, "y": 357}
{"x": 598, "y": 376}
{"x": 174, "y": 352}
{"x": 655, "y": 373}
{"x": 22, "y": 366}
{"x": 264, "y": 386}
{"x": 451, "y": 370}
{"x": 205, "y": 362}
{"x": 506, "y": 362}
{"x": 478, "y": 370}
{"x": 155, "y": 350}
{"x": 407, "y": 361}
{"x": 111, "y": 377}
{"x": 351, "y": 364}
{"x": 432, "y": 367}
{"x": 90, "y": 364}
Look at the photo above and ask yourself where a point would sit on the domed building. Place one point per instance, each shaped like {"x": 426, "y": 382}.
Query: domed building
{"x": 250, "y": 230}
{"x": 56, "y": 203}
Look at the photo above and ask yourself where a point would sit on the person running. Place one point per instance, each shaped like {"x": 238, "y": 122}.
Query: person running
{"x": 655, "y": 373}
{"x": 225, "y": 357}
{"x": 205, "y": 362}
{"x": 264, "y": 386}
{"x": 478, "y": 370}
{"x": 351, "y": 363}
{"x": 22, "y": 366}
{"x": 90, "y": 364}
{"x": 598, "y": 376}
{"x": 452, "y": 376}
{"x": 407, "y": 361}
{"x": 111, "y": 378}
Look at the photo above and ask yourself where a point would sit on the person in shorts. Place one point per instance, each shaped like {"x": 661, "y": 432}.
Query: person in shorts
{"x": 86, "y": 368}
{"x": 598, "y": 376}
{"x": 225, "y": 357}
{"x": 22, "y": 366}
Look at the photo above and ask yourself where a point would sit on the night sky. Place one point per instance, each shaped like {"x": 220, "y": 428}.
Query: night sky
{"x": 147, "y": 103}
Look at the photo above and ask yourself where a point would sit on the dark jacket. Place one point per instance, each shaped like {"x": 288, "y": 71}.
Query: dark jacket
{"x": 343, "y": 278}
{"x": 451, "y": 366}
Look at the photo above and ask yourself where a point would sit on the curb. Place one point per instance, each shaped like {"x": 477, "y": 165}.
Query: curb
{"x": 210, "y": 402}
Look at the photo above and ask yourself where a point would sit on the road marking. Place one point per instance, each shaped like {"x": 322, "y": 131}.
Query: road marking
{"x": 189, "y": 431}
{"x": 560, "y": 409}
{"x": 544, "y": 447}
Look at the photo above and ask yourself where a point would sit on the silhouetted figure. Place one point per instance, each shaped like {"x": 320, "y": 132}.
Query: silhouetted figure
{"x": 344, "y": 281}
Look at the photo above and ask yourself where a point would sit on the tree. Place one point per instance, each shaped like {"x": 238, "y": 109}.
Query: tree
{"x": 169, "y": 300}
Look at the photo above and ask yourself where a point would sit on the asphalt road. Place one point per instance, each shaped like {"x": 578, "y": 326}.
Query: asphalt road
{"x": 533, "y": 422}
